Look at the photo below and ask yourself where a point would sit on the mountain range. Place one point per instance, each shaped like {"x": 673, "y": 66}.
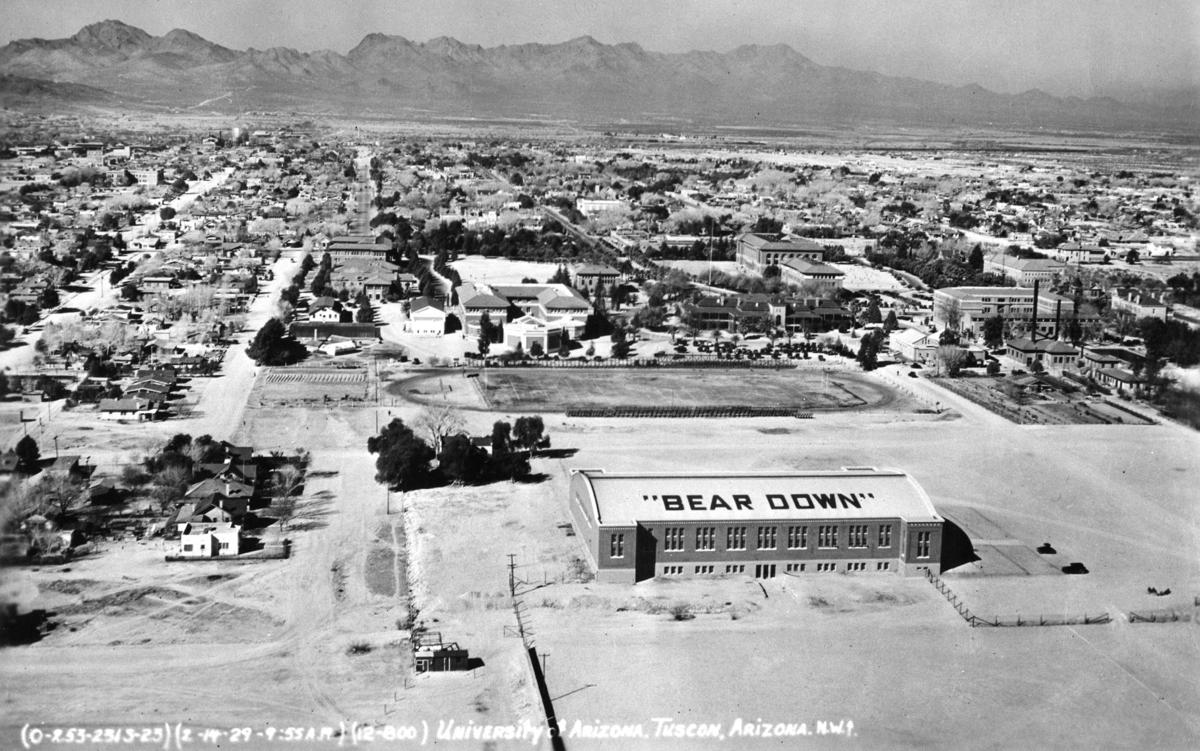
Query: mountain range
{"x": 112, "y": 64}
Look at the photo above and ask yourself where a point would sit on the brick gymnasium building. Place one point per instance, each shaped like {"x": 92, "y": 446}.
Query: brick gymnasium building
{"x": 637, "y": 526}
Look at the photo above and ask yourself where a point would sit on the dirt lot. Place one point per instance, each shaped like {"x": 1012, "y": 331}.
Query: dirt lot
{"x": 555, "y": 390}
{"x": 889, "y": 654}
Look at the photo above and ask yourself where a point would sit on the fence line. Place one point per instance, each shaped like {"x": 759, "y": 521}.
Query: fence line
{"x": 638, "y": 363}
{"x": 1158, "y": 616}
{"x": 996, "y": 621}
{"x": 688, "y": 412}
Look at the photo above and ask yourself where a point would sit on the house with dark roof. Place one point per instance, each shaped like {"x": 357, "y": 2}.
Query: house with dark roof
{"x": 209, "y": 539}
{"x": 1051, "y": 353}
{"x": 1137, "y": 304}
{"x": 126, "y": 409}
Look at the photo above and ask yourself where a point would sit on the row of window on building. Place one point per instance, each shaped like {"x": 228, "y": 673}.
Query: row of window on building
{"x": 674, "y": 538}
{"x": 708, "y": 569}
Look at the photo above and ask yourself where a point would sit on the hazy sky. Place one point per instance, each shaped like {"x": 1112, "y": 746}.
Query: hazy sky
{"x": 1078, "y": 47}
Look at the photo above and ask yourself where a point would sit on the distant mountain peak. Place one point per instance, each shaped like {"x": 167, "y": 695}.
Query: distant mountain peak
{"x": 581, "y": 79}
{"x": 111, "y": 33}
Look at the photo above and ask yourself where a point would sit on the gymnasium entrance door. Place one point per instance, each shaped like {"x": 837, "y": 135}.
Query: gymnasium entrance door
{"x": 764, "y": 571}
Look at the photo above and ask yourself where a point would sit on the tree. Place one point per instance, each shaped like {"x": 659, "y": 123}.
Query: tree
{"x": 460, "y": 460}
{"x": 528, "y": 432}
{"x": 272, "y": 345}
{"x": 513, "y": 465}
{"x": 49, "y": 298}
{"x": 536, "y": 350}
{"x": 27, "y": 452}
{"x": 501, "y": 437}
{"x": 993, "y": 331}
{"x": 1132, "y": 257}
{"x": 403, "y": 459}
{"x": 975, "y": 259}
{"x": 438, "y": 422}
{"x": 949, "y": 310}
{"x": 868, "y": 350}
{"x": 872, "y": 314}
{"x": 950, "y": 359}
{"x": 134, "y": 476}
{"x": 598, "y": 295}
{"x": 1037, "y": 367}
{"x": 166, "y": 213}
{"x": 365, "y": 313}
{"x": 288, "y": 480}
{"x": 616, "y": 295}
{"x": 890, "y": 323}
{"x": 487, "y": 329}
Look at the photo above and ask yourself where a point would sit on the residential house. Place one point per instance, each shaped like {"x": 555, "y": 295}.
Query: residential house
{"x": 209, "y": 540}
{"x": 126, "y": 409}
{"x": 158, "y": 284}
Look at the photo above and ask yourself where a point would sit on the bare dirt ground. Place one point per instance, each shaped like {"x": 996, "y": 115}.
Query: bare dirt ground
{"x": 555, "y": 390}
{"x": 271, "y": 642}
{"x": 887, "y": 653}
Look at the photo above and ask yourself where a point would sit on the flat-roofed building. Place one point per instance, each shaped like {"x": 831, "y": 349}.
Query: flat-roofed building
{"x": 1023, "y": 271}
{"x": 756, "y": 251}
{"x": 966, "y": 308}
{"x": 638, "y": 525}
{"x": 819, "y": 277}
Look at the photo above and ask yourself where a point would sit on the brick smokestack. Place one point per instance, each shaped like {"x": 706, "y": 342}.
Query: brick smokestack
{"x": 1033, "y": 326}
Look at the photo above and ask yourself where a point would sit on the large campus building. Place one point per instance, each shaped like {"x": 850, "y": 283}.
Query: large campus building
{"x": 640, "y": 525}
{"x": 967, "y": 308}
{"x": 756, "y": 251}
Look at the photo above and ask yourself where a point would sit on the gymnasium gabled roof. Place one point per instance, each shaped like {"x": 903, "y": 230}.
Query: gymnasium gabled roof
{"x": 626, "y": 498}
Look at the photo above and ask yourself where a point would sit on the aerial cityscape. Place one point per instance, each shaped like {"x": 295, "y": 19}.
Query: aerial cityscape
{"x": 600, "y": 377}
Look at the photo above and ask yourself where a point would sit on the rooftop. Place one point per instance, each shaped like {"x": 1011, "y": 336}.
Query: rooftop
{"x": 853, "y": 493}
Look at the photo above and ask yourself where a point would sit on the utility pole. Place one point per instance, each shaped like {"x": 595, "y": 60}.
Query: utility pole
{"x": 512, "y": 574}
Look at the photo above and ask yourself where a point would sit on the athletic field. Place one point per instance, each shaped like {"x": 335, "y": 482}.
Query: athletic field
{"x": 537, "y": 390}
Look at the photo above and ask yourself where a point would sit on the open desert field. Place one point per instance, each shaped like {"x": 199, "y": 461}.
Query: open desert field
{"x": 771, "y": 653}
